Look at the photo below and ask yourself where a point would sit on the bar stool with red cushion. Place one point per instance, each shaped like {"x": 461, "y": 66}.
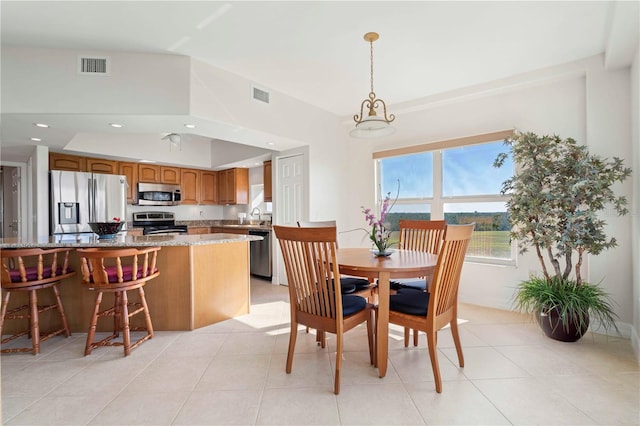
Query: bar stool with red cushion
{"x": 118, "y": 271}
{"x": 29, "y": 270}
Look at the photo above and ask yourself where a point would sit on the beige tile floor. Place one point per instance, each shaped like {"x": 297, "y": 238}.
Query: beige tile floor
{"x": 233, "y": 373}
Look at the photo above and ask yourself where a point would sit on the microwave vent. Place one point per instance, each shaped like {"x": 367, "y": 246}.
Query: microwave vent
{"x": 95, "y": 66}
{"x": 260, "y": 95}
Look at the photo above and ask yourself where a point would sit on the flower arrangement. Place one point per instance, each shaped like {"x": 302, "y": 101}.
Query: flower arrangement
{"x": 380, "y": 235}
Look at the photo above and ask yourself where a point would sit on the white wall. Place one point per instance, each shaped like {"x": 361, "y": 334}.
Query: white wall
{"x": 578, "y": 100}
{"x": 47, "y": 80}
{"x": 635, "y": 208}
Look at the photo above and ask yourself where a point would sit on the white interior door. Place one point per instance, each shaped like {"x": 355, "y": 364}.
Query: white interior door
{"x": 290, "y": 199}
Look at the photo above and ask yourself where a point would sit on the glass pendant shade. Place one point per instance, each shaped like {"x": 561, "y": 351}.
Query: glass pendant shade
{"x": 372, "y": 127}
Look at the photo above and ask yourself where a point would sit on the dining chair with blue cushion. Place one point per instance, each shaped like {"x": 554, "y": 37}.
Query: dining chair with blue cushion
{"x": 418, "y": 235}
{"x": 348, "y": 285}
{"x": 315, "y": 297}
{"x": 433, "y": 310}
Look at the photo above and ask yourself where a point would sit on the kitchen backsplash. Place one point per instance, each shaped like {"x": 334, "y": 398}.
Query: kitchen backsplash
{"x": 190, "y": 212}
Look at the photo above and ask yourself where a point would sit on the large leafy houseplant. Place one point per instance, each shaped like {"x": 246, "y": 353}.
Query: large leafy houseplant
{"x": 557, "y": 191}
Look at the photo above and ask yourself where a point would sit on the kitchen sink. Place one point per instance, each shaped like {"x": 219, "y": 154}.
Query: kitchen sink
{"x": 249, "y": 223}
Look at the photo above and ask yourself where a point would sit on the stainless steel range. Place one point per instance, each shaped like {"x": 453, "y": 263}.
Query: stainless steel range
{"x": 158, "y": 223}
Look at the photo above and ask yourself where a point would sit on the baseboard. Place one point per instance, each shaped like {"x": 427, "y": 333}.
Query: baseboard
{"x": 625, "y": 329}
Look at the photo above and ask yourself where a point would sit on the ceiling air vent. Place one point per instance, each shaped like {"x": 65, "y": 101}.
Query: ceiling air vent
{"x": 260, "y": 95}
{"x": 95, "y": 66}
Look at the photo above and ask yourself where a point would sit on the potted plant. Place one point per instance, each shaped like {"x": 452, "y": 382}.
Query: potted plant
{"x": 556, "y": 193}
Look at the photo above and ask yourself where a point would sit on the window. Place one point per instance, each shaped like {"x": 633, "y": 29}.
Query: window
{"x": 455, "y": 181}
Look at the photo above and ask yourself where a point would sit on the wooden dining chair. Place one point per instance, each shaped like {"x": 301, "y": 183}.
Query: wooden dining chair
{"x": 419, "y": 235}
{"x": 316, "y": 300}
{"x": 431, "y": 311}
{"x": 348, "y": 285}
{"x": 27, "y": 271}
{"x": 117, "y": 271}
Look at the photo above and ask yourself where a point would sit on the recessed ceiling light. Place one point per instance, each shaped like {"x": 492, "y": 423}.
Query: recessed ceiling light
{"x": 271, "y": 143}
{"x": 115, "y": 125}
{"x": 36, "y": 139}
{"x": 190, "y": 126}
{"x": 41, "y": 125}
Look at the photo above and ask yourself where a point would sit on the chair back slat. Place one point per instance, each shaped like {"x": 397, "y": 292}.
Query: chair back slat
{"x": 422, "y": 235}
{"x": 309, "y": 256}
{"x": 107, "y": 266}
{"x": 46, "y": 263}
{"x": 446, "y": 279}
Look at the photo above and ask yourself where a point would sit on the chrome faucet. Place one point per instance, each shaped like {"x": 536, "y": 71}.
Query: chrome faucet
{"x": 253, "y": 211}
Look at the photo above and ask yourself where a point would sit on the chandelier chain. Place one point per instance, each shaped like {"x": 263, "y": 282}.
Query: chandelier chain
{"x": 371, "y": 59}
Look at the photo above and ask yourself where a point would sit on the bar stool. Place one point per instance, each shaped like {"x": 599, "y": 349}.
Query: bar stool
{"x": 30, "y": 270}
{"x": 117, "y": 271}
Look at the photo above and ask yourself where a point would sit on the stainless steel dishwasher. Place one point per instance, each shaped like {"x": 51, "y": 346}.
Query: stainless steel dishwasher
{"x": 260, "y": 253}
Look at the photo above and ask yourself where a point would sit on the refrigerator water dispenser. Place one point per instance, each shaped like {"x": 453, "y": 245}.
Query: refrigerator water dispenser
{"x": 68, "y": 213}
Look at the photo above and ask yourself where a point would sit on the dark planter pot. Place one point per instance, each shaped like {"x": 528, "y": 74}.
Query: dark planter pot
{"x": 552, "y": 326}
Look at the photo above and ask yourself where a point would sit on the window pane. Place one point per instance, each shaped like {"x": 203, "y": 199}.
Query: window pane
{"x": 491, "y": 235}
{"x": 407, "y": 211}
{"x": 414, "y": 171}
{"x": 469, "y": 170}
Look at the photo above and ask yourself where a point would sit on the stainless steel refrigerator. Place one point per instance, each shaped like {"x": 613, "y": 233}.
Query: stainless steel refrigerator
{"x": 78, "y": 198}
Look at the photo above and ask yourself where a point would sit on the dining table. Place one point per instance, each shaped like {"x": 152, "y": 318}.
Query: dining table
{"x": 362, "y": 262}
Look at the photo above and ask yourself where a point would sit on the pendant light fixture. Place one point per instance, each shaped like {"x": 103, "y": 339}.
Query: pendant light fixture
{"x": 371, "y": 125}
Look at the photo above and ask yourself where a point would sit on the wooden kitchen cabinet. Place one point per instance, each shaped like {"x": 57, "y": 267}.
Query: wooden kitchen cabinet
{"x": 130, "y": 171}
{"x": 99, "y": 165}
{"x": 266, "y": 171}
{"x": 148, "y": 173}
{"x": 190, "y": 185}
{"x": 233, "y": 186}
{"x": 193, "y": 230}
{"x": 170, "y": 175}
{"x": 229, "y": 230}
{"x": 209, "y": 187}
{"x": 72, "y": 163}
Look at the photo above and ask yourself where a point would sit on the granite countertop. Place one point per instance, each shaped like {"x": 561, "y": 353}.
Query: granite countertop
{"x": 124, "y": 240}
{"x": 248, "y": 224}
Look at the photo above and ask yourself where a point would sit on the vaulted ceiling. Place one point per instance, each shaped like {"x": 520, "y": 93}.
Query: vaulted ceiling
{"x": 314, "y": 50}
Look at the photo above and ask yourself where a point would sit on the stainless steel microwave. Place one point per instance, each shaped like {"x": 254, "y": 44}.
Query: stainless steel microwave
{"x": 158, "y": 194}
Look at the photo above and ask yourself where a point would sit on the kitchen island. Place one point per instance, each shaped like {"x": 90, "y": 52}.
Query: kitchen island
{"x": 203, "y": 278}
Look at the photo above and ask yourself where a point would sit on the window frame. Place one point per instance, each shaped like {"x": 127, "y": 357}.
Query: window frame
{"x": 437, "y": 201}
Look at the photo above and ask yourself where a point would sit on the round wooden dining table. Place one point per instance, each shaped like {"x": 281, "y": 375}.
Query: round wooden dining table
{"x": 400, "y": 264}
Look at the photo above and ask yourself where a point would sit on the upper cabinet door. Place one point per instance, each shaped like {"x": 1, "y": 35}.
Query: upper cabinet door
{"x": 190, "y": 186}
{"x": 233, "y": 186}
{"x": 266, "y": 170}
{"x": 209, "y": 187}
{"x": 130, "y": 170}
{"x": 148, "y": 173}
{"x": 98, "y": 165}
{"x": 170, "y": 175}
{"x": 72, "y": 163}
